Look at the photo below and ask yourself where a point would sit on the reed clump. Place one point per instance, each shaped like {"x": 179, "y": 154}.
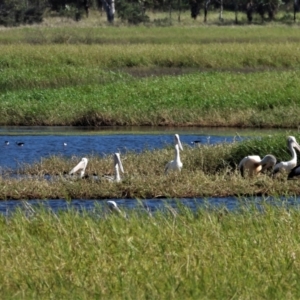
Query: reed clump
{"x": 208, "y": 170}
{"x": 175, "y": 254}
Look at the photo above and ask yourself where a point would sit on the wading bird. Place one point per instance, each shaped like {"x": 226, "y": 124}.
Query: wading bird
{"x": 253, "y": 164}
{"x": 287, "y": 166}
{"x": 81, "y": 166}
{"x": 176, "y": 164}
{"x": 196, "y": 142}
{"x": 295, "y": 173}
{"x": 113, "y": 207}
{"x": 117, "y": 165}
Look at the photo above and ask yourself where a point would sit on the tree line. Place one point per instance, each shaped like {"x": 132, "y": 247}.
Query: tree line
{"x": 16, "y": 12}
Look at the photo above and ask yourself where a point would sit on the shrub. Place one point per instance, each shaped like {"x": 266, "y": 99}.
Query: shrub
{"x": 132, "y": 12}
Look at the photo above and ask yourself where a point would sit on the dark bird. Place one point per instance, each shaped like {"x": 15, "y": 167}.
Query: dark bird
{"x": 21, "y": 144}
{"x": 295, "y": 172}
{"x": 196, "y": 142}
{"x": 201, "y": 141}
{"x": 6, "y": 142}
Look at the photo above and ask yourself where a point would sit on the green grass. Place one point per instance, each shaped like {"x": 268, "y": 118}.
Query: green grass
{"x": 95, "y": 29}
{"x": 216, "y": 55}
{"x": 86, "y": 76}
{"x": 206, "y": 76}
{"x": 263, "y": 99}
{"x": 183, "y": 255}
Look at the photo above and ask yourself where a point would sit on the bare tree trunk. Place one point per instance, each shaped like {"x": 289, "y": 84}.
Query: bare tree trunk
{"x": 170, "y": 11}
{"x": 86, "y": 7}
{"x": 179, "y": 10}
{"x": 109, "y": 6}
{"x": 236, "y": 11}
{"x": 296, "y": 8}
{"x": 249, "y": 11}
{"x": 205, "y": 9}
{"x": 221, "y": 11}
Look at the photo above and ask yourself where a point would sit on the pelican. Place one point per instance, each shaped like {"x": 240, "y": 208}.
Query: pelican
{"x": 295, "y": 172}
{"x": 288, "y": 165}
{"x": 254, "y": 164}
{"x": 81, "y": 166}
{"x": 117, "y": 165}
{"x": 176, "y": 164}
{"x": 113, "y": 207}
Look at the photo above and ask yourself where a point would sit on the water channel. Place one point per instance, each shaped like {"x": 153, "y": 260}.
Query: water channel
{"x": 41, "y": 142}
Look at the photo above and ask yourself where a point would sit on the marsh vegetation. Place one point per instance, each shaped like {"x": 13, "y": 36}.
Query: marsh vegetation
{"x": 232, "y": 76}
{"x": 175, "y": 254}
{"x": 200, "y": 76}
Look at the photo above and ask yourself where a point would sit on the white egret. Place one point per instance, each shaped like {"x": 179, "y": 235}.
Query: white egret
{"x": 81, "y": 166}
{"x": 253, "y": 164}
{"x": 117, "y": 165}
{"x": 287, "y": 166}
{"x": 176, "y": 164}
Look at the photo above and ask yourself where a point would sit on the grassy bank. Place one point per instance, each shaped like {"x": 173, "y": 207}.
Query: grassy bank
{"x": 264, "y": 99}
{"x": 235, "y": 76}
{"x": 183, "y": 255}
{"x": 208, "y": 171}
{"x": 211, "y": 56}
{"x": 95, "y": 29}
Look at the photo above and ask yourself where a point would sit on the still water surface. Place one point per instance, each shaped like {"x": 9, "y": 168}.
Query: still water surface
{"x": 66, "y": 142}
{"x": 148, "y": 205}
{"x": 42, "y": 142}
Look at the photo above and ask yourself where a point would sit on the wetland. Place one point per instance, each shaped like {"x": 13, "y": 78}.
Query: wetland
{"x": 184, "y": 80}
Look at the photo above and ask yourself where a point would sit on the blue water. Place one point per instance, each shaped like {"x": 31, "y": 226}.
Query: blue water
{"x": 150, "y": 205}
{"x": 41, "y": 146}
